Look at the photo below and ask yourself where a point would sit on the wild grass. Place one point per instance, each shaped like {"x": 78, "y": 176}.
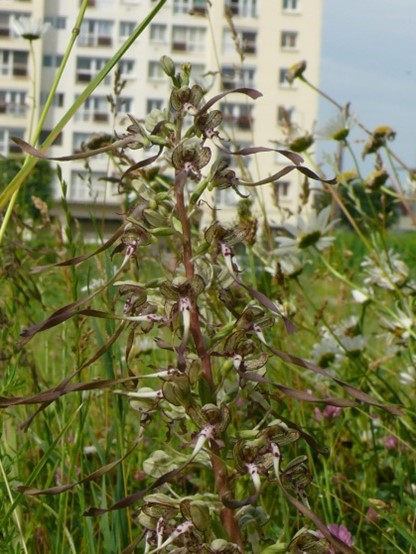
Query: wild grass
{"x": 365, "y": 481}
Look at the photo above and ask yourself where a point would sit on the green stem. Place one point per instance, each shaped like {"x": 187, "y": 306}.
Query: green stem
{"x": 8, "y": 214}
{"x": 59, "y": 73}
{"x": 354, "y": 159}
{"x": 15, "y": 513}
{"x": 34, "y": 89}
{"x": 13, "y": 199}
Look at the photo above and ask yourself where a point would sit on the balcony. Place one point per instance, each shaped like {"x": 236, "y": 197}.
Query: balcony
{"x": 104, "y": 41}
{"x": 242, "y": 122}
{"x": 20, "y": 70}
{"x": 242, "y": 8}
{"x": 13, "y": 109}
{"x": 179, "y": 46}
{"x": 198, "y": 8}
{"x": 100, "y": 117}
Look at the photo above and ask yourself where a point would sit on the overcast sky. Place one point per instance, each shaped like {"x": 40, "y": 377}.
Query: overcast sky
{"x": 369, "y": 59}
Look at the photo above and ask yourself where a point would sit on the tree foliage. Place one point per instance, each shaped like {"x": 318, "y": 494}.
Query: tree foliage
{"x": 38, "y": 184}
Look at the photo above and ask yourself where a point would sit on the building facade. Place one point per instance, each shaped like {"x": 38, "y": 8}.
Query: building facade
{"x": 230, "y": 43}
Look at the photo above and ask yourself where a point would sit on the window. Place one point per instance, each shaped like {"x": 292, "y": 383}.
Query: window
{"x": 6, "y": 145}
{"x": 85, "y": 141}
{"x": 239, "y": 163}
{"x": 284, "y": 116}
{"x": 247, "y": 40}
{"x": 126, "y": 29}
{"x": 158, "y": 33}
{"x": 291, "y": 5}
{"x": 57, "y": 21}
{"x": 237, "y": 115}
{"x": 78, "y": 141}
{"x": 288, "y": 40}
{"x": 87, "y": 69}
{"x": 199, "y": 76}
{"x": 95, "y": 108}
{"x": 87, "y": 187}
{"x": 182, "y": 6}
{"x": 52, "y": 60}
{"x": 153, "y": 104}
{"x": 188, "y": 39}
{"x": 226, "y": 197}
{"x": 282, "y": 77}
{"x": 154, "y": 71}
{"x": 189, "y": 6}
{"x": 100, "y": 3}
{"x": 281, "y": 189}
{"x": 96, "y": 32}
{"x": 243, "y": 8}
{"x": 124, "y": 104}
{"x": 199, "y": 7}
{"x": 13, "y": 102}
{"x": 57, "y": 101}
{"x": 14, "y": 63}
{"x": 6, "y": 19}
{"x": 44, "y": 135}
{"x": 126, "y": 69}
{"x": 233, "y": 77}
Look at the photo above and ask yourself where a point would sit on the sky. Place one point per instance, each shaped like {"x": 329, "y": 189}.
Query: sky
{"x": 369, "y": 59}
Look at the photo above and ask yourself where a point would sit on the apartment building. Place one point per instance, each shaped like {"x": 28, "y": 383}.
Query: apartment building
{"x": 271, "y": 36}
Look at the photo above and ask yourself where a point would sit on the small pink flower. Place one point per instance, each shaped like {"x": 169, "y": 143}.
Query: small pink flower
{"x": 239, "y": 401}
{"x": 341, "y": 533}
{"x": 58, "y": 476}
{"x": 371, "y": 515}
{"x": 391, "y": 442}
{"x": 330, "y": 412}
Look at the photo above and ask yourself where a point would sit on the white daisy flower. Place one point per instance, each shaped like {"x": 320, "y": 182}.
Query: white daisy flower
{"x": 338, "y": 127}
{"x": 327, "y": 353}
{"x": 344, "y": 341}
{"x": 362, "y": 296}
{"x": 290, "y": 265}
{"x": 353, "y": 345}
{"x": 389, "y": 273}
{"x": 408, "y": 377}
{"x": 306, "y": 230}
{"x": 348, "y": 327}
{"x": 401, "y": 326}
{"x": 28, "y": 28}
